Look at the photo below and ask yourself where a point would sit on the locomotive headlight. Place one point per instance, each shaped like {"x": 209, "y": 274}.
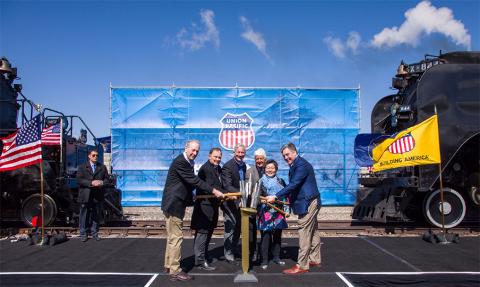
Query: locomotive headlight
{"x": 399, "y": 83}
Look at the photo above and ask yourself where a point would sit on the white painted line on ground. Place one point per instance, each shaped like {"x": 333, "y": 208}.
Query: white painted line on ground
{"x": 413, "y": 273}
{"x": 151, "y": 280}
{"x": 262, "y": 274}
{"x": 344, "y": 279}
{"x": 391, "y": 254}
{"x": 75, "y": 273}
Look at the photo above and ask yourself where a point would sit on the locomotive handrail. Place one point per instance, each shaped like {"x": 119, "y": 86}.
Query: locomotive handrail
{"x": 85, "y": 125}
{"x": 52, "y": 110}
{"x": 33, "y": 106}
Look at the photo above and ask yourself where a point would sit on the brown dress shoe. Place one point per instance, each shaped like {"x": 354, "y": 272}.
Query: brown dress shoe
{"x": 180, "y": 276}
{"x": 314, "y": 264}
{"x": 295, "y": 270}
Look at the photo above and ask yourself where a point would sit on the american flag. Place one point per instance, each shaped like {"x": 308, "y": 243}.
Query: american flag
{"x": 23, "y": 147}
{"x": 52, "y": 135}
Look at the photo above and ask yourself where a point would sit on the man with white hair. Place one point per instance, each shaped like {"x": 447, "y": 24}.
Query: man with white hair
{"x": 254, "y": 173}
{"x": 177, "y": 195}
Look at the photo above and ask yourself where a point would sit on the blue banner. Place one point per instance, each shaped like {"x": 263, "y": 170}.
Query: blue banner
{"x": 150, "y": 127}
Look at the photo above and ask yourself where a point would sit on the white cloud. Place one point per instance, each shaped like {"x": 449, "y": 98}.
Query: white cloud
{"x": 353, "y": 41}
{"x": 199, "y": 36}
{"x": 420, "y": 20}
{"x": 339, "y": 48}
{"x": 254, "y": 37}
{"x": 336, "y": 46}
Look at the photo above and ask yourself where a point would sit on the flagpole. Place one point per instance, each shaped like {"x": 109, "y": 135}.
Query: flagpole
{"x": 42, "y": 205}
{"x": 61, "y": 146}
{"x": 444, "y": 238}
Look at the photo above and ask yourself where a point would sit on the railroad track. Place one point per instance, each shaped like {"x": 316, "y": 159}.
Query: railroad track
{"x": 156, "y": 228}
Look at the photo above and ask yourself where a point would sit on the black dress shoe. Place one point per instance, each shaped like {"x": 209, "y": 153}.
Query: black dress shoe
{"x": 254, "y": 257}
{"x": 232, "y": 262}
{"x": 207, "y": 267}
{"x": 181, "y": 276}
{"x": 278, "y": 261}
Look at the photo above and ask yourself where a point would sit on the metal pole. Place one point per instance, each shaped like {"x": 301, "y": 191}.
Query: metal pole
{"x": 441, "y": 197}
{"x": 444, "y": 234}
{"x": 42, "y": 204}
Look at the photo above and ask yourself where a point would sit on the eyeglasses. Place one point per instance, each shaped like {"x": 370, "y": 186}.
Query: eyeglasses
{"x": 94, "y": 155}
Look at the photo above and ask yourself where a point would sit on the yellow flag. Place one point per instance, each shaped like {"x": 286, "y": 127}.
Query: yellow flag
{"x": 416, "y": 145}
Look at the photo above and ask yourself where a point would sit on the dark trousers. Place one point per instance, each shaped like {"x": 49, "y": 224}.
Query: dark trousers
{"x": 231, "y": 216}
{"x": 252, "y": 237}
{"x": 271, "y": 242}
{"x": 200, "y": 245}
{"x": 90, "y": 217}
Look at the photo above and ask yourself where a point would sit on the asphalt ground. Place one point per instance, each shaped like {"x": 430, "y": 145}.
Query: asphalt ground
{"x": 352, "y": 261}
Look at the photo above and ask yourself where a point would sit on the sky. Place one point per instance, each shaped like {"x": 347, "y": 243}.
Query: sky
{"x": 68, "y": 53}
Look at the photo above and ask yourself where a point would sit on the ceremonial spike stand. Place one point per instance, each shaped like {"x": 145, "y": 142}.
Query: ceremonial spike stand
{"x": 244, "y": 276}
{"x": 245, "y": 212}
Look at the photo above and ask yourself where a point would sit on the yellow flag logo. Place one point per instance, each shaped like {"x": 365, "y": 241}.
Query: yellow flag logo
{"x": 416, "y": 145}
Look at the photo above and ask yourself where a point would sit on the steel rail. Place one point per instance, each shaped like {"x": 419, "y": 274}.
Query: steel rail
{"x": 156, "y": 228}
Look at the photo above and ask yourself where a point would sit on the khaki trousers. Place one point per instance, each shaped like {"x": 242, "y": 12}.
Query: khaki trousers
{"x": 309, "y": 237}
{"x": 173, "y": 253}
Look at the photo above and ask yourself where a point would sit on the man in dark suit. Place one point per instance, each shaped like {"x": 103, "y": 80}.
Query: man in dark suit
{"x": 91, "y": 177}
{"x": 233, "y": 172}
{"x": 205, "y": 210}
{"x": 177, "y": 195}
{"x": 305, "y": 202}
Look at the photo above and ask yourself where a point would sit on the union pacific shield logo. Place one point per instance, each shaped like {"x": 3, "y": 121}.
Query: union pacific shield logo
{"x": 236, "y": 129}
{"x": 402, "y": 145}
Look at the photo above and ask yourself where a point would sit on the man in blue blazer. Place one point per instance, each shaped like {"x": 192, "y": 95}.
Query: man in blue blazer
{"x": 305, "y": 202}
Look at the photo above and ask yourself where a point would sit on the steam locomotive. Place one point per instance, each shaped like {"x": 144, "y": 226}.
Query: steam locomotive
{"x": 20, "y": 189}
{"x": 450, "y": 83}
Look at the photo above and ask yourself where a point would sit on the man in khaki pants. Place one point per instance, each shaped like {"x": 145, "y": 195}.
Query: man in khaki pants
{"x": 177, "y": 195}
{"x": 305, "y": 202}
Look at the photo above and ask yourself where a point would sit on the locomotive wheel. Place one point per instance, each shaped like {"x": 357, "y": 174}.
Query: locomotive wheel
{"x": 454, "y": 208}
{"x": 32, "y": 206}
{"x": 475, "y": 195}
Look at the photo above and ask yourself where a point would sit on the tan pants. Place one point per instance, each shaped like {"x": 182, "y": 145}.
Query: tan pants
{"x": 173, "y": 253}
{"x": 309, "y": 237}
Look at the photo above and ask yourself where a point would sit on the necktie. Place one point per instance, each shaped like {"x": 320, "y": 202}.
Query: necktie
{"x": 93, "y": 168}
